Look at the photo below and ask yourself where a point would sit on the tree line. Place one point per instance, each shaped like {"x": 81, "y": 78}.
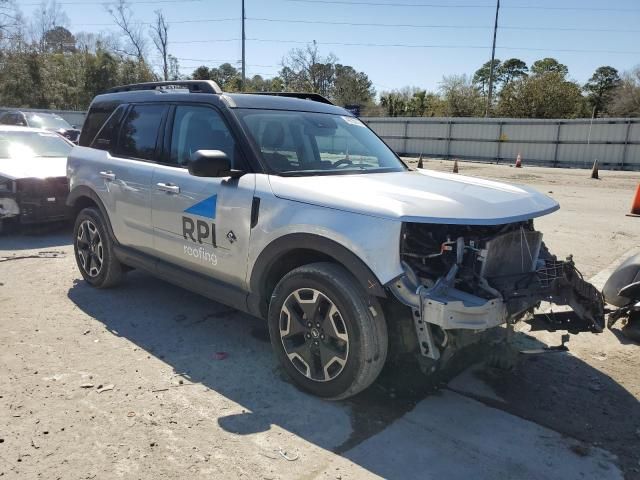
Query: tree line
{"x": 44, "y": 65}
{"x": 543, "y": 90}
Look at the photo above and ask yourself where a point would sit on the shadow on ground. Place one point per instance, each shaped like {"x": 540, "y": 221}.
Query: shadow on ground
{"x": 35, "y": 237}
{"x": 186, "y": 330}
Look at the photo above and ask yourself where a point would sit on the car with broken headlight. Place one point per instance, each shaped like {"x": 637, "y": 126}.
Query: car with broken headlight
{"x": 291, "y": 209}
{"x": 33, "y": 181}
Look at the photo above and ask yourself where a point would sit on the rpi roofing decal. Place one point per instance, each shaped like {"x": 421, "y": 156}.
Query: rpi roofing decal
{"x": 206, "y": 208}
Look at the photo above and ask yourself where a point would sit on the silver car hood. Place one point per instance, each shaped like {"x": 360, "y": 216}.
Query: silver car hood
{"x": 423, "y": 196}
{"x": 36, "y": 167}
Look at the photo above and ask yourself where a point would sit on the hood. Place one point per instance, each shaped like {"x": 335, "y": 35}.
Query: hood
{"x": 36, "y": 167}
{"x": 422, "y": 196}
{"x": 71, "y": 134}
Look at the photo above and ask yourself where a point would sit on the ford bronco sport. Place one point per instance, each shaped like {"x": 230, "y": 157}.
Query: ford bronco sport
{"x": 291, "y": 209}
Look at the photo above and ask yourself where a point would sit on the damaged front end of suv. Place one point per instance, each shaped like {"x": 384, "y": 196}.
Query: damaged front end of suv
{"x": 474, "y": 277}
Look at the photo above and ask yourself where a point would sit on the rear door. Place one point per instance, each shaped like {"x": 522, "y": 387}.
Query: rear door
{"x": 126, "y": 171}
{"x": 201, "y": 224}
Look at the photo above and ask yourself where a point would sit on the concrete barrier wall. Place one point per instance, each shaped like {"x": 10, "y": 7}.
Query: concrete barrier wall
{"x": 614, "y": 142}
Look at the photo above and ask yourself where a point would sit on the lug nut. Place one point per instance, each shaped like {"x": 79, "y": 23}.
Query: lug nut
{"x": 317, "y": 325}
{"x": 315, "y": 342}
{"x": 322, "y": 336}
{"x": 308, "y": 335}
{"x": 309, "y": 324}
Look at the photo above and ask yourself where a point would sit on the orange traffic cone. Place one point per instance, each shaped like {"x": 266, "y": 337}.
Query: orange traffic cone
{"x": 455, "y": 166}
{"x": 594, "y": 170}
{"x": 635, "y": 206}
{"x": 420, "y": 163}
{"x": 518, "y": 161}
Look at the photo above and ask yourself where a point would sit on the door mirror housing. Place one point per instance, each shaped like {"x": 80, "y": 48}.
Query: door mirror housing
{"x": 212, "y": 163}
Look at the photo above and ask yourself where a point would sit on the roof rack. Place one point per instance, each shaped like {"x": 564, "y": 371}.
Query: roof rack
{"x": 315, "y": 97}
{"x": 194, "y": 86}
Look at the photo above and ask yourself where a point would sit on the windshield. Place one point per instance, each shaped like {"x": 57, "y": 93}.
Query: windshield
{"x": 33, "y": 144}
{"x": 305, "y": 143}
{"x": 43, "y": 120}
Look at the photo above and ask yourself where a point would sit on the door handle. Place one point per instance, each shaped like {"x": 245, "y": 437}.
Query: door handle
{"x": 108, "y": 175}
{"x": 168, "y": 187}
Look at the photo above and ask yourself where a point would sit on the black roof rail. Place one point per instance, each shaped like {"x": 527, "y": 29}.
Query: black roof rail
{"x": 194, "y": 86}
{"x": 316, "y": 97}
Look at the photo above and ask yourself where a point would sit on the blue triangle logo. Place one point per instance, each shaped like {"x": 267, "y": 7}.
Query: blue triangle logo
{"x": 206, "y": 208}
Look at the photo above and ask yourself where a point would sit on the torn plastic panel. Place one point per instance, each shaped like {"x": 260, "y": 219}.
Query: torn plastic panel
{"x": 34, "y": 200}
{"x": 474, "y": 278}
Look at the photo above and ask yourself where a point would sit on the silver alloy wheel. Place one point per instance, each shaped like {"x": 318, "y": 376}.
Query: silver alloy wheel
{"x": 89, "y": 248}
{"x": 314, "y": 334}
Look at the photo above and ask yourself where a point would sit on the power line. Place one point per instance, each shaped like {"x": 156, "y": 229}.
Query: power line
{"x": 383, "y": 25}
{"x": 103, "y": 2}
{"x": 207, "y": 41}
{"x": 409, "y": 45}
{"x": 304, "y": 42}
{"x": 220, "y": 61}
{"x": 441, "y": 5}
{"x": 208, "y": 20}
{"x": 413, "y": 25}
{"x": 380, "y": 4}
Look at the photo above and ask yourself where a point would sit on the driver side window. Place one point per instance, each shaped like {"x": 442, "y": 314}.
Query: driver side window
{"x": 200, "y": 128}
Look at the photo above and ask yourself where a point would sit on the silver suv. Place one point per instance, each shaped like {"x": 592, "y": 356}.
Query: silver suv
{"x": 291, "y": 209}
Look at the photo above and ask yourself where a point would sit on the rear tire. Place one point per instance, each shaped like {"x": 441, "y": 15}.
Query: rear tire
{"x": 328, "y": 334}
{"x": 93, "y": 248}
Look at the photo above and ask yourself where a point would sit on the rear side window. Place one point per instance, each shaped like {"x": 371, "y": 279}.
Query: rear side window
{"x": 139, "y": 131}
{"x": 98, "y": 114}
{"x": 107, "y": 136}
{"x": 13, "y": 119}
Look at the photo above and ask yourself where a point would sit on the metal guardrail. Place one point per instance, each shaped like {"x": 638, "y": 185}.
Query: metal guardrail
{"x": 614, "y": 142}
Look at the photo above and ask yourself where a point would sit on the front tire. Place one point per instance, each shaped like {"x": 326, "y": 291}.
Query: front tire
{"x": 328, "y": 334}
{"x": 93, "y": 248}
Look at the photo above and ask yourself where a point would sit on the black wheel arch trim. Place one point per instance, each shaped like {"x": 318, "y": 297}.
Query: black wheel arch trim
{"x": 278, "y": 248}
{"x": 82, "y": 191}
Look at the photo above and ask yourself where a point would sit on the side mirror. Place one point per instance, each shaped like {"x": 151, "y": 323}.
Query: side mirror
{"x": 212, "y": 163}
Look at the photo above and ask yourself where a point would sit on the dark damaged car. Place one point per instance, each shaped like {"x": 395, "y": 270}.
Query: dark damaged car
{"x": 47, "y": 121}
{"x": 33, "y": 183}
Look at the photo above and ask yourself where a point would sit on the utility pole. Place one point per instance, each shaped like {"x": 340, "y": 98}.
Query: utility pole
{"x": 243, "y": 58}
{"x": 493, "y": 56}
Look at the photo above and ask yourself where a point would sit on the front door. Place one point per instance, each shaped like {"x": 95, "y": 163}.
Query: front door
{"x": 202, "y": 224}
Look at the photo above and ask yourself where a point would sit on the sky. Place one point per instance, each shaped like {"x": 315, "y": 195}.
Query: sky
{"x": 413, "y": 42}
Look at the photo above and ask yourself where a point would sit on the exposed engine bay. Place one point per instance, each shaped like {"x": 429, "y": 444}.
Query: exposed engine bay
{"x": 476, "y": 277}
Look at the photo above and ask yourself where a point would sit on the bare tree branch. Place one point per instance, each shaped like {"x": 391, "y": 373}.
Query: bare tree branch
{"x": 12, "y": 25}
{"x": 160, "y": 37}
{"x": 48, "y": 16}
{"x": 123, "y": 17}
{"x": 306, "y": 70}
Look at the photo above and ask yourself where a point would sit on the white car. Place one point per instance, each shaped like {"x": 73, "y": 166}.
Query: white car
{"x": 291, "y": 209}
{"x": 33, "y": 182}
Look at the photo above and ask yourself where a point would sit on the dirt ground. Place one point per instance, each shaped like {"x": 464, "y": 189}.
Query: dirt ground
{"x": 150, "y": 381}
